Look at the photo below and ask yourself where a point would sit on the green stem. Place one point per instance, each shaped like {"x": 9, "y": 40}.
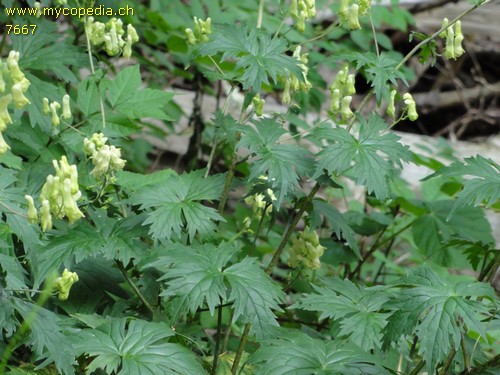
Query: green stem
{"x": 261, "y": 14}
{"x": 239, "y": 353}
{"x": 374, "y": 36}
{"x": 227, "y": 184}
{"x": 134, "y": 287}
{"x": 449, "y": 361}
{"x": 464, "y": 352}
{"x": 417, "y": 369}
{"x": 217, "y": 339}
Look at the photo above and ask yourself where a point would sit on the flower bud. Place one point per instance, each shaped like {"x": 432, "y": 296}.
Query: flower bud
{"x": 32, "y": 212}
{"x": 2, "y": 80}
{"x": 4, "y": 112}
{"x": 45, "y": 217}
{"x": 391, "y": 108}
{"x": 353, "y": 17}
{"x": 364, "y": 6}
{"x": 38, "y": 8}
{"x": 258, "y": 104}
{"x": 335, "y": 102}
{"x": 3, "y": 145}
{"x": 12, "y": 63}
{"x": 66, "y": 110}
{"x": 294, "y": 12}
{"x": 133, "y": 33}
{"x": 70, "y": 207}
{"x": 449, "y": 52}
{"x": 349, "y": 88}
{"x": 345, "y": 111}
{"x": 45, "y": 106}
{"x": 301, "y": 22}
{"x": 444, "y": 24}
{"x": 64, "y": 284}
{"x": 411, "y": 106}
{"x": 457, "y": 45}
{"x": 18, "y": 96}
{"x": 286, "y": 98}
{"x": 190, "y": 36}
{"x": 54, "y": 107}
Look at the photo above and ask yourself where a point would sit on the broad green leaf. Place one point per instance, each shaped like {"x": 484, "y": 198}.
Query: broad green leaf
{"x": 12, "y": 274}
{"x": 432, "y": 229}
{"x": 113, "y": 238}
{"x": 283, "y": 164}
{"x": 300, "y": 354}
{"x": 257, "y": 56}
{"x": 483, "y": 189}
{"x": 139, "y": 347}
{"x": 368, "y": 159}
{"x": 197, "y": 275}
{"x": 357, "y": 310}
{"x": 438, "y": 311}
{"x": 176, "y": 205}
{"x": 88, "y": 96}
{"x": 125, "y": 96}
{"x": 47, "y": 338}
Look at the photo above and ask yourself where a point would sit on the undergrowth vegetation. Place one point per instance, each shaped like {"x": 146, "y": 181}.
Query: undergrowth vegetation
{"x": 286, "y": 243}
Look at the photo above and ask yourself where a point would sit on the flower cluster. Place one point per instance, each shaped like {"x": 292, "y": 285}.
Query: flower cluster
{"x": 13, "y": 85}
{"x": 258, "y": 202}
{"x": 111, "y": 35}
{"x": 64, "y": 284}
{"x": 454, "y": 39}
{"x": 411, "y": 106}
{"x": 306, "y": 250}
{"x": 54, "y": 107}
{"x": 342, "y": 89}
{"x": 201, "y": 31}
{"x": 58, "y": 197}
{"x": 105, "y": 158}
{"x": 301, "y": 10}
{"x": 292, "y": 83}
{"x": 349, "y": 12}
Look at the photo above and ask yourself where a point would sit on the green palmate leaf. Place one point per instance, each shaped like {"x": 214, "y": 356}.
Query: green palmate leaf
{"x": 47, "y": 338}
{"x": 137, "y": 348}
{"x": 257, "y": 55}
{"x": 361, "y": 158}
{"x": 88, "y": 96}
{"x": 113, "y": 238}
{"x": 356, "y": 309}
{"x": 438, "y": 312}
{"x": 281, "y": 163}
{"x": 433, "y": 228}
{"x": 197, "y": 275}
{"x": 125, "y": 96}
{"x": 337, "y": 223}
{"x": 380, "y": 71}
{"x": 484, "y": 189}
{"x": 176, "y": 205}
{"x": 299, "y": 354}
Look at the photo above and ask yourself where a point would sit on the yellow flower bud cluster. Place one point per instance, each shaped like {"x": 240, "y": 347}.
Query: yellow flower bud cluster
{"x": 54, "y": 107}
{"x": 342, "y": 89}
{"x": 258, "y": 202}
{"x": 64, "y": 283}
{"x": 201, "y": 31}
{"x": 302, "y": 10}
{"x": 292, "y": 83}
{"x": 111, "y": 35}
{"x": 411, "y": 106}
{"x": 58, "y": 197}
{"x": 306, "y": 250}
{"x": 349, "y": 12}
{"x": 105, "y": 158}
{"x": 13, "y": 85}
{"x": 454, "y": 39}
